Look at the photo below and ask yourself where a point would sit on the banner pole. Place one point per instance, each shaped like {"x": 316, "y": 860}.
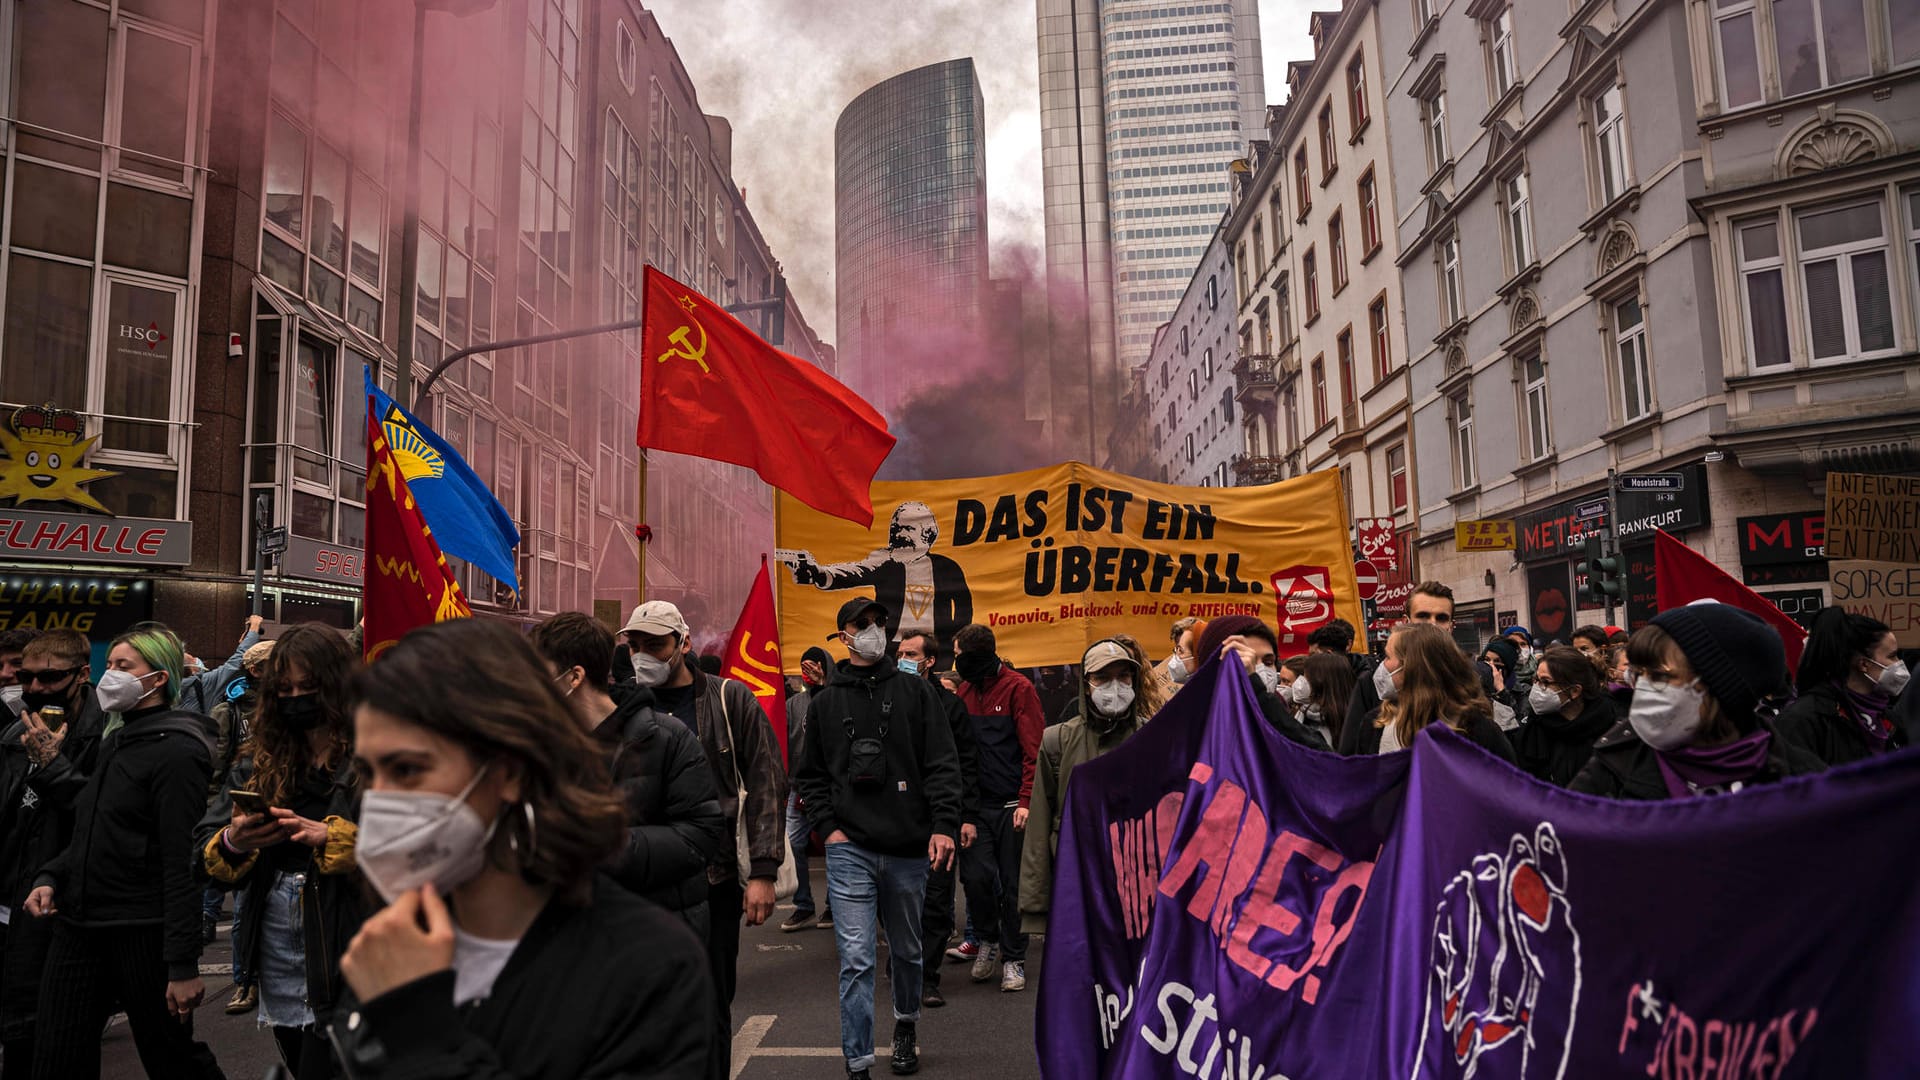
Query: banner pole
{"x": 640, "y": 512}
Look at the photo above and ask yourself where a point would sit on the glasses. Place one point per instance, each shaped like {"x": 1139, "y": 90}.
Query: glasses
{"x": 1545, "y": 680}
{"x": 46, "y": 676}
{"x": 863, "y": 622}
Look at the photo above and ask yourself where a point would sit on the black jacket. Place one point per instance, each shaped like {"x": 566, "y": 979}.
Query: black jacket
{"x": 1364, "y": 737}
{"x": 130, "y": 862}
{"x": 1623, "y": 767}
{"x": 333, "y": 900}
{"x": 1554, "y": 748}
{"x": 1818, "y": 723}
{"x": 920, "y": 792}
{"x": 1283, "y": 720}
{"x": 674, "y": 823}
{"x": 972, "y": 808}
{"x": 617, "y": 988}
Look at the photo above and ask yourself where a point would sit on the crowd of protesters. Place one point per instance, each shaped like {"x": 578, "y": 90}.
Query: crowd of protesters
{"x": 427, "y": 857}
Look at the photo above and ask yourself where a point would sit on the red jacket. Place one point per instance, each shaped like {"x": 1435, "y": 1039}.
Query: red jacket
{"x": 1007, "y": 725}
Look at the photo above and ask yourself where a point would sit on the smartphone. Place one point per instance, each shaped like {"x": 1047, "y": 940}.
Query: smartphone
{"x": 54, "y": 717}
{"x": 250, "y": 802}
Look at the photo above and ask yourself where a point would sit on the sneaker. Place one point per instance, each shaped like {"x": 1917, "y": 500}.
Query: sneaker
{"x": 209, "y": 929}
{"x": 1013, "y": 976}
{"x": 985, "y": 964}
{"x": 824, "y": 922}
{"x": 244, "y": 999}
{"x": 964, "y": 953}
{"x": 797, "y": 921}
{"x": 906, "y": 1049}
{"x": 932, "y": 998}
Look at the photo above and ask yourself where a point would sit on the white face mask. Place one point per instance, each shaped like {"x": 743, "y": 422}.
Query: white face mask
{"x": 1666, "y": 716}
{"x": 1892, "y": 679}
{"x": 410, "y": 838}
{"x": 10, "y": 697}
{"x": 650, "y": 671}
{"x": 869, "y": 644}
{"x": 1177, "y": 669}
{"x": 119, "y": 691}
{"x": 1383, "y": 683}
{"x": 1543, "y": 700}
{"x": 1269, "y": 677}
{"x": 1299, "y": 692}
{"x": 1113, "y": 699}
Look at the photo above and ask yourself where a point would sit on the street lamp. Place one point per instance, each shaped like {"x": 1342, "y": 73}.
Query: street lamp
{"x": 410, "y": 219}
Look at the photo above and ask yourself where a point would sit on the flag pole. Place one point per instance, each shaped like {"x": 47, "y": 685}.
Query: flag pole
{"x": 640, "y": 543}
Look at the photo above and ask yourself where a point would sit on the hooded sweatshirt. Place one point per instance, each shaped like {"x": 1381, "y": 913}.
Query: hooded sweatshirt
{"x": 919, "y": 790}
{"x": 1063, "y": 748}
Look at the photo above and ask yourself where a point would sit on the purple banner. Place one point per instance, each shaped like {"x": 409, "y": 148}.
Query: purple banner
{"x": 1232, "y": 906}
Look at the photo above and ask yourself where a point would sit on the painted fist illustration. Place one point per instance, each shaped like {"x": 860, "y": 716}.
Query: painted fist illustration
{"x": 1504, "y": 971}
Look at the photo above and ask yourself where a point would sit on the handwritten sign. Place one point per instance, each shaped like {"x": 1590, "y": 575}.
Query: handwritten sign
{"x": 1873, "y": 517}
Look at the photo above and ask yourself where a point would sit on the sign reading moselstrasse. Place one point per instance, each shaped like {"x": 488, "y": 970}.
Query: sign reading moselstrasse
{"x": 94, "y": 538}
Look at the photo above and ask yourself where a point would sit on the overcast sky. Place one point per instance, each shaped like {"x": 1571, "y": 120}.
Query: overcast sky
{"x": 781, "y": 71}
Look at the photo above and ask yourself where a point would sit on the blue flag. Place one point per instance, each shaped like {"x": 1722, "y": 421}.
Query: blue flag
{"x": 466, "y": 519}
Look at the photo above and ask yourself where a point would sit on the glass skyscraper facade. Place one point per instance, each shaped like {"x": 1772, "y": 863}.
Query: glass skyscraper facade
{"x": 910, "y": 228}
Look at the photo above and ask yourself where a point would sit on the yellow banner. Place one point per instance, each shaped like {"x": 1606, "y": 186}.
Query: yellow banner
{"x": 1058, "y": 558}
{"x": 1491, "y": 535}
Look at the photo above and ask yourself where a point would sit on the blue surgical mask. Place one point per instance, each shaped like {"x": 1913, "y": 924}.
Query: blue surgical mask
{"x": 908, "y": 667}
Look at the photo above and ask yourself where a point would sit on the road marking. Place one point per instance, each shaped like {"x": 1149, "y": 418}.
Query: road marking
{"x": 780, "y": 948}
{"x": 746, "y": 1045}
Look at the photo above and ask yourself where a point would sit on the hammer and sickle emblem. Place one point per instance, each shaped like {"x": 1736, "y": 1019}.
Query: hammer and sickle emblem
{"x": 684, "y": 349}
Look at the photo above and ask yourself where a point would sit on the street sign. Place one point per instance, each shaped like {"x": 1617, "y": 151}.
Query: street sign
{"x": 1659, "y": 481}
{"x": 273, "y": 541}
{"x": 1378, "y": 543}
{"x": 1368, "y": 578}
{"x": 1591, "y": 509}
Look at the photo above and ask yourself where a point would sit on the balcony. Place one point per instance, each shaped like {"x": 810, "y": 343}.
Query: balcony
{"x": 1250, "y": 470}
{"x": 1255, "y": 375}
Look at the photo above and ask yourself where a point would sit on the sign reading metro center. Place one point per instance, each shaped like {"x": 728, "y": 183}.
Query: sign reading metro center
{"x": 1055, "y": 559}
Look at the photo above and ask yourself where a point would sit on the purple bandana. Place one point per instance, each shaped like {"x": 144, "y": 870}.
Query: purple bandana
{"x": 1869, "y": 710}
{"x": 1696, "y": 770}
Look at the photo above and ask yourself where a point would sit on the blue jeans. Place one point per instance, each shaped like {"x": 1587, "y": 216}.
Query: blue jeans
{"x": 865, "y": 888}
{"x": 797, "y": 832}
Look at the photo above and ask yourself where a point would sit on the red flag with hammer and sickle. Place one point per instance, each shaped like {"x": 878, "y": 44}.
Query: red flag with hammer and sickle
{"x": 713, "y": 389}
{"x": 406, "y": 580}
{"x": 753, "y": 656}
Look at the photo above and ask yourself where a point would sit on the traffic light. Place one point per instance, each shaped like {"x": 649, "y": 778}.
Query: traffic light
{"x": 1606, "y": 584}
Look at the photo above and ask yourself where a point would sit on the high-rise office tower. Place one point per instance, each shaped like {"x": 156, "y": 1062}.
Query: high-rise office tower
{"x": 910, "y": 229}
{"x": 1143, "y": 105}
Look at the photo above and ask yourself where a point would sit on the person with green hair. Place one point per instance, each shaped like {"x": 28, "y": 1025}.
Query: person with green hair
{"x": 128, "y": 932}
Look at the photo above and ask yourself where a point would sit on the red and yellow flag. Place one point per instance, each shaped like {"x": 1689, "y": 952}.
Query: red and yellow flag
{"x": 407, "y": 582}
{"x": 753, "y": 655}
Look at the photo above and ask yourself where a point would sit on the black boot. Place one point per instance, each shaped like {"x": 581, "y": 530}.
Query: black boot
{"x": 859, "y": 1074}
{"x": 906, "y": 1049}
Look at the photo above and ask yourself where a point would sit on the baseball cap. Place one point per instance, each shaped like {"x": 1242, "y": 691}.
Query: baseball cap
{"x": 256, "y": 654}
{"x": 657, "y": 617}
{"x": 853, "y": 609}
{"x": 1102, "y": 654}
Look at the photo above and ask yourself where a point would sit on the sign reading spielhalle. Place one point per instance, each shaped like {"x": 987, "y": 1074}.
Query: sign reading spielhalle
{"x": 1057, "y": 558}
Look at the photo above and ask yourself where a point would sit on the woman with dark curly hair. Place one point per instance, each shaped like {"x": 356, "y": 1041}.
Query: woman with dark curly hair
{"x": 282, "y": 832}
{"x": 503, "y": 952}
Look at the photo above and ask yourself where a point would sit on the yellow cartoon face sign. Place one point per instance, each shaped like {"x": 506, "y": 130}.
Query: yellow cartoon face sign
{"x": 44, "y": 459}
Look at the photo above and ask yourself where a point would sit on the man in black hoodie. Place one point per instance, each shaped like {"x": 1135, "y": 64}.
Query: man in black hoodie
{"x": 881, "y": 782}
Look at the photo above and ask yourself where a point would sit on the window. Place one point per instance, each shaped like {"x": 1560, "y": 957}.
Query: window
{"x": 1285, "y": 296}
{"x": 1820, "y": 42}
{"x": 1843, "y": 268}
{"x": 1377, "y": 336}
{"x": 1433, "y": 121}
{"x": 1193, "y": 386}
{"x": 1519, "y": 225}
{"x": 1762, "y": 275}
{"x": 1189, "y": 443}
{"x": 1327, "y": 162}
{"x": 628, "y": 57}
{"x": 1279, "y": 223}
{"x": 1310, "y": 285}
{"x": 1461, "y": 408}
{"x": 1736, "y": 32}
{"x": 1422, "y": 13}
{"x": 1206, "y": 364}
{"x": 1302, "y": 188}
{"x": 1357, "y": 112}
{"x": 1610, "y": 143}
{"x": 1337, "y": 251}
{"x": 1533, "y": 389}
{"x": 1343, "y": 350}
{"x": 1450, "y": 292}
{"x": 1630, "y": 346}
{"x": 1259, "y": 248}
{"x": 1240, "y": 270}
{"x": 1499, "y": 31}
{"x": 1319, "y": 374}
{"x": 1397, "y": 478}
{"x": 1369, "y": 215}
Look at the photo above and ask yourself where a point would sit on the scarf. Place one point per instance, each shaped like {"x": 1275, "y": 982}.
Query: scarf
{"x": 1869, "y": 710}
{"x": 1711, "y": 770}
{"x": 978, "y": 668}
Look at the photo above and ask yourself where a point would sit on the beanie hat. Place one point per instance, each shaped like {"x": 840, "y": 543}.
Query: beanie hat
{"x": 1223, "y": 628}
{"x": 1507, "y": 652}
{"x": 1734, "y": 652}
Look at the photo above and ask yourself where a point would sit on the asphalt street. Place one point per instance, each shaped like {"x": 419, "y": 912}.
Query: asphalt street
{"x": 786, "y": 1016}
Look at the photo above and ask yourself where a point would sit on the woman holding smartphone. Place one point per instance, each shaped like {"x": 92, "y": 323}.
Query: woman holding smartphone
{"x": 283, "y": 831}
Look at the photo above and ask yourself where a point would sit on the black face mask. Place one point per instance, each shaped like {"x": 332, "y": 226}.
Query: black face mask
{"x": 35, "y": 700}
{"x": 302, "y": 713}
{"x": 977, "y": 667}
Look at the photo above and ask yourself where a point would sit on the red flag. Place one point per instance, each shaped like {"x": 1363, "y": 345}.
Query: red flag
{"x": 753, "y": 655}
{"x": 713, "y": 389}
{"x": 1682, "y": 575}
{"x": 407, "y": 580}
